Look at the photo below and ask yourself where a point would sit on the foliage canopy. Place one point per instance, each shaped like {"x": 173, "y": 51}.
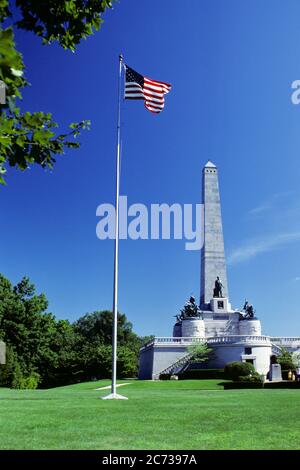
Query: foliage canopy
{"x": 30, "y": 138}
{"x": 49, "y": 352}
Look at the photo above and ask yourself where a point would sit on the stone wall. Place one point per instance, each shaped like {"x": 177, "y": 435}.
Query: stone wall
{"x": 155, "y": 358}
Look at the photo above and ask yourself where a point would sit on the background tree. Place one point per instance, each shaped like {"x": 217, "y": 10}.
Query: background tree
{"x": 44, "y": 351}
{"x": 200, "y": 352}
{"x": 286, "y": 360}
{"x": 97, "y": 327}
{"x": 95, "y": 330}
{"x": 24, "y": 324}
{"x": 296, "y": 359}
{"x": 61, "y": 363}
{"x": 30, "y": 138}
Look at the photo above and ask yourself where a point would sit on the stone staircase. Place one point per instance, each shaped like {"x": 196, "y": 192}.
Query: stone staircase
{"x": 276, "y": 349}
{"x": 178, "y": 366}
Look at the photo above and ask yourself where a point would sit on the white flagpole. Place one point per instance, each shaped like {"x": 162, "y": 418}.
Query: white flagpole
{"x": 114, "y": 394}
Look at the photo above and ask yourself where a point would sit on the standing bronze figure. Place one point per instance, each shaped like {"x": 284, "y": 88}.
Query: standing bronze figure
{"x": 218, "y": 290}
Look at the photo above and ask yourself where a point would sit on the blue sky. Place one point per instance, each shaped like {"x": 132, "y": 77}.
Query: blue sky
{"x": 231, "y": 65}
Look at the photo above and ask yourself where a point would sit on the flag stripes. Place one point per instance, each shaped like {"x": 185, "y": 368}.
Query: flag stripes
{"x": 151, "y": 91}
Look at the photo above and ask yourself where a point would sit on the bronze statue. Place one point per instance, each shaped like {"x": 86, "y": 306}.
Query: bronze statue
{"x": 218, "y": 290}
{"x": 248, "y": 308}
{"x": 190, "y": 310}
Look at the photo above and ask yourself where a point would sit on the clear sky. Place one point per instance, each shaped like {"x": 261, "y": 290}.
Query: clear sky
{"x": 231, "y": 65}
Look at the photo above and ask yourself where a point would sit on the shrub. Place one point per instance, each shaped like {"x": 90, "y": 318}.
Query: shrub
{"x": 235, "y": 370}
{"x": 31, "y": 382}
{"x": 253, "y": 378}
{"x": 288, "y": 384}
{"x": 196, "y": 374}
{"x": 22, "y": 382}
{"x": 202, "y": 374}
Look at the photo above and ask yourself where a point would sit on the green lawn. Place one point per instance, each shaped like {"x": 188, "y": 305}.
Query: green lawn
{"x": 158, "y": 415}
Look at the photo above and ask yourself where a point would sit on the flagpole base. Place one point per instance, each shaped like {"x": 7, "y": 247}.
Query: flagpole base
{"x": 114, "y": 396}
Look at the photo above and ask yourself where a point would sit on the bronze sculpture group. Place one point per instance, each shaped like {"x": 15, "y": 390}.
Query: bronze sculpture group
{"x": 192, "y": 310}
{"x": 248, "y": 309}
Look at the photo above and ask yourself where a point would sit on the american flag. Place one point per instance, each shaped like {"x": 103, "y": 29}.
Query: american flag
{"x": 151, "y": 91}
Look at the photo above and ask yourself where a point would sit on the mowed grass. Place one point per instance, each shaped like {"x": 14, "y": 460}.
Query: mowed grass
{"x": 158, "y": 415}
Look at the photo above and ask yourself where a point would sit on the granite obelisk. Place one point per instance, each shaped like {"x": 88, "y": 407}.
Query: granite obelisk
{"x": 212, "y": 256}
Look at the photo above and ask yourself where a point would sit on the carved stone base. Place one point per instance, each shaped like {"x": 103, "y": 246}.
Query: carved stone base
{"x": 275, "y": 373}
{"x": 250, "y": 327}
{"x": 193, "y": 327}
{"x": 220, "y": 305}
{"x": 177, "y": 330}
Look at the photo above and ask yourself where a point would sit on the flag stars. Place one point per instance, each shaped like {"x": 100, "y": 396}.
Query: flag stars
{"x": 138, "y": 87}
